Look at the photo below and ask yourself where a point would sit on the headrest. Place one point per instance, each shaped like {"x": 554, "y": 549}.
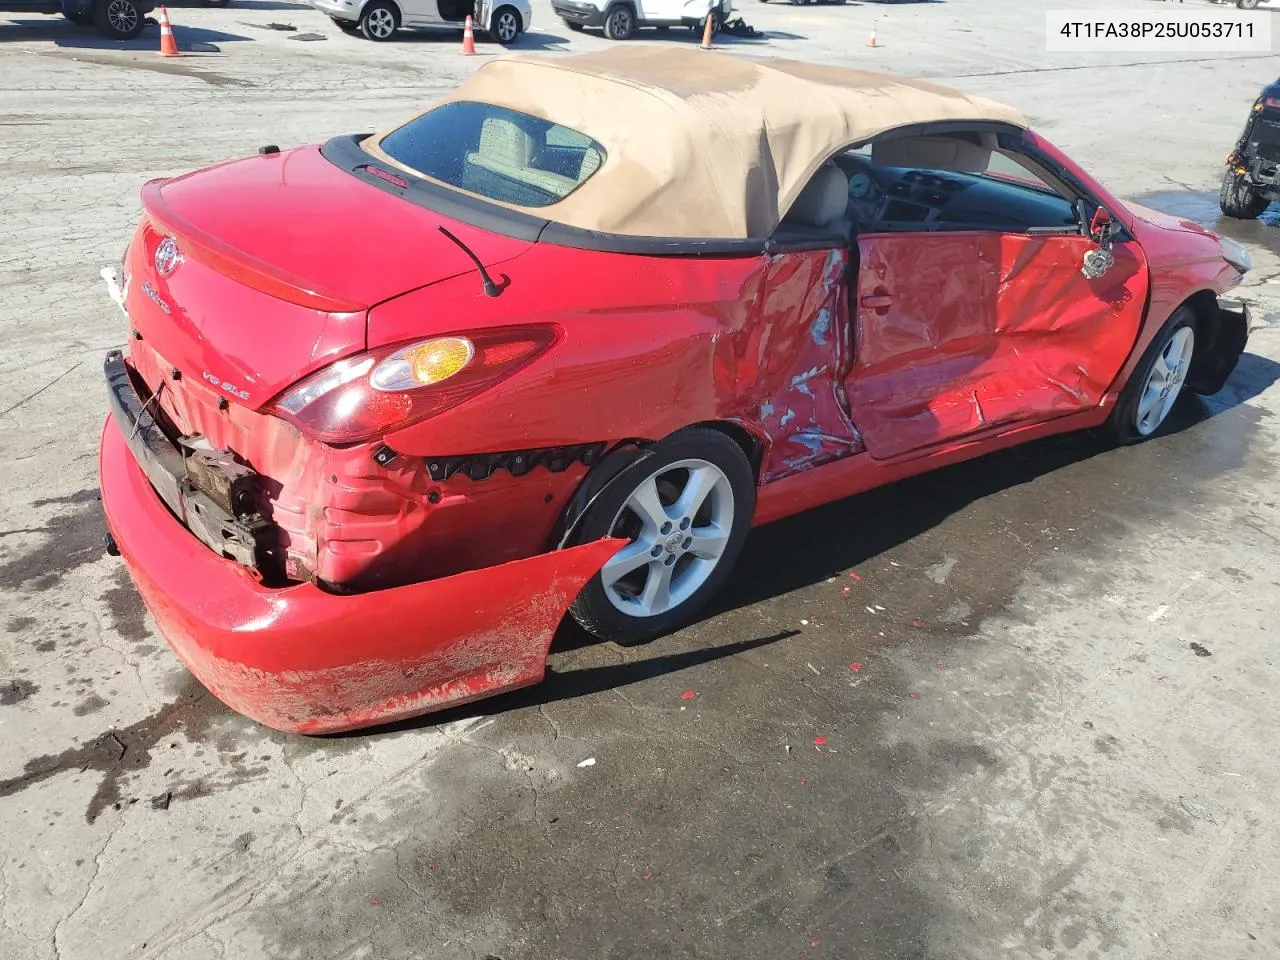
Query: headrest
{"x": 503, "y": 142}
{"x": 931, "y": 153}
{"x": 823, "y": 200}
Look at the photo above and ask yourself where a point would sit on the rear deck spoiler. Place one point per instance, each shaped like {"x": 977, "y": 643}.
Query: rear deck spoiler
{"x": 236, "y": 264}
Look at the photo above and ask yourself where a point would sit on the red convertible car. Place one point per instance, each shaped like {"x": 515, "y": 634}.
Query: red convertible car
{"x": 392, "y": 405}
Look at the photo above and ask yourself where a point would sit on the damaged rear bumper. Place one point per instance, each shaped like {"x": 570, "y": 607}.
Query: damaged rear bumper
{"x": 302, "y": 660}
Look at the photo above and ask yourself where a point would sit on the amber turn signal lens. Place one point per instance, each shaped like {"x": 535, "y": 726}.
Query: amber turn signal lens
{"x": 438, "y": 360}
{"x": 423, "y": 364}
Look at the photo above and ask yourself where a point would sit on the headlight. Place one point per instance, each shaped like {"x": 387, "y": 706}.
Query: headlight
{"x": 1235, "y": 254}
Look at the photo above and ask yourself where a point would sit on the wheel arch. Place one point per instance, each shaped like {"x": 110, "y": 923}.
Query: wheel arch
{"x": 629, "y": 4}
{"x": 1218, "y": 344}
{"x": 506, "y": 6}
{"x": 393, "y": 4}
{"x": 627, "y": 453}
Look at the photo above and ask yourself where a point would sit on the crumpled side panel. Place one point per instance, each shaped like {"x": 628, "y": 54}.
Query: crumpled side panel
{"x": 787, "y": 367}
{"x": 983, "y": 330}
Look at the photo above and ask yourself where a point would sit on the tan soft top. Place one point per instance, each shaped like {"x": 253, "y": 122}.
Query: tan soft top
{"x": 700, "y": 144}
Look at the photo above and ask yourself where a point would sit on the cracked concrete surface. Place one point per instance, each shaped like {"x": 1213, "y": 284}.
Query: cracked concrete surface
{"x": 1038, "y": 722}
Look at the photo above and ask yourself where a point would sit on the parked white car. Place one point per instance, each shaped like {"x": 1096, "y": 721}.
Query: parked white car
{"x": 504, "y": 20}
{"x": 621, "y": 18}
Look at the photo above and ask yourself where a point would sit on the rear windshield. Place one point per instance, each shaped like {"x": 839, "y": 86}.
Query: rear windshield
{"x": 497, "y": 153}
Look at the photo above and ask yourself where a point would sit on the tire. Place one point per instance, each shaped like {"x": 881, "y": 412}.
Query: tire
{"x": 1238, "y": 198}
{"x": 119, "y": 19}
{"x": 620, "y": 22}
{"x": 575, "y": 27}
{"x": 379, "y": 21}
{"x": 1247, "y": 4}
{"x": 696, "y": 548}
{"x": 1134, "y": 420}
{"x": 505, "y": 25}
{"x": 346, "y": 26}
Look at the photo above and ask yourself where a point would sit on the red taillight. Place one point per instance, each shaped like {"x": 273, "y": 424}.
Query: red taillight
{"x": 372, "y": 394}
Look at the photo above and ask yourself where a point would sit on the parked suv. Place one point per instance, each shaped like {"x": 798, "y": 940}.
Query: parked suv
{"x": 118, "y": 19}
{"x": 619, "y": 19}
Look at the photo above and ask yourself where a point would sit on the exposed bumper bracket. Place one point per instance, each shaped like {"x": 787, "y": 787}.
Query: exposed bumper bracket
{"x": 247, "y": 538}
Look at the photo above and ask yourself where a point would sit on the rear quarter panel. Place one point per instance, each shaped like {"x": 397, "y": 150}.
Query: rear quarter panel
{"x": 637, "y": 359}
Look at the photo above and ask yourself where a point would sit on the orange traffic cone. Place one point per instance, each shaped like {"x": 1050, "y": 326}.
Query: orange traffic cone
{"x": 468, "y": 39}
{"x": 871, "y": 40}
{"x": 168, "y": 46}
{"x": 706, "y": 33}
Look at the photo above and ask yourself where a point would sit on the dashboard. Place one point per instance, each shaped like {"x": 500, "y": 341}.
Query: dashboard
{"x": 906, "y": 198}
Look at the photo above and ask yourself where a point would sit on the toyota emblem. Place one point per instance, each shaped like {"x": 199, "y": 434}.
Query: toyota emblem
{"x": 167, "y": 257}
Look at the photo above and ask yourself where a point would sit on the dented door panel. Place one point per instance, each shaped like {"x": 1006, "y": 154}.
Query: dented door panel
{"x": 924, "y": 326}
{"x": 958, "y": 334}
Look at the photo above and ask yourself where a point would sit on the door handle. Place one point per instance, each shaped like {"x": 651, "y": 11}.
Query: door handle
{"x": 877, "y": 301}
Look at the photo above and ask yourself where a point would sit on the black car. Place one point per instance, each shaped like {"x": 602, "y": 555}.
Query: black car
{"x": 1252, "y": 179}
{"x": 118, "y": 19}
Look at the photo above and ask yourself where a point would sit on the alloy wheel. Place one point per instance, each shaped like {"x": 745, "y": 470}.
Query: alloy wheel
{"x": 506, "y": 26}
{"x": 679, "y": 521}
{"x": 122, "y": 16}
{"x": 1164, "y": 382}
{"x": 382, "y": 23}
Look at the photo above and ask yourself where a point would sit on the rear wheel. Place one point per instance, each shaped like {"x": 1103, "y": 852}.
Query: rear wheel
{"x": 119, "y": 19}
{"x": 620, "y": 23}
{"x": 1156, "y": 382}
{"x": 1239, "y": 199}
{"x": 506, "y": 25}
{"x": 686, "y": 511}
{"x": 378, "y": 22}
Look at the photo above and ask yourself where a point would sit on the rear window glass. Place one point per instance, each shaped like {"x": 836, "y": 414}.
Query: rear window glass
{"x": 497, "y": 153}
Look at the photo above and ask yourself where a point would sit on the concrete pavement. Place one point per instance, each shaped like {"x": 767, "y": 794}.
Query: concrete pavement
{"x": 1039, "y": 722}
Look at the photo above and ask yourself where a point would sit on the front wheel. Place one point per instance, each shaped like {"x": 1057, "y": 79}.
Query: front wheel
{"x": 379, "y": 22}
{"x": 506, "y": 25}
{"x": 1156, "y": 382}
{"x": 119, "y": 19}
{"x": 1239, "y": 199}
{"x": 620, "y": 24}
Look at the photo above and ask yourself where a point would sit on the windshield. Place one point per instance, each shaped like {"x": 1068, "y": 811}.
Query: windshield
{"x": 496, "y": 153}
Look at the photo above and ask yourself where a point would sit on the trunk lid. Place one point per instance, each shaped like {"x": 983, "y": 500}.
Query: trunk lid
{"x": 252, "y": 274}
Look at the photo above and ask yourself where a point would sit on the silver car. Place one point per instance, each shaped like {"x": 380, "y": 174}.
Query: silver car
{"x": 504, "y": 20}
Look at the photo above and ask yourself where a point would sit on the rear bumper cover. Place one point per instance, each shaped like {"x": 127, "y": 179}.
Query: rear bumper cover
{"x": 302, "y": 660}
{"x": 586, "y": 14}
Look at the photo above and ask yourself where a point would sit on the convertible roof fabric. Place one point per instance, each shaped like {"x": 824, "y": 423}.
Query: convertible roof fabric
{"x": 700, "y": 144}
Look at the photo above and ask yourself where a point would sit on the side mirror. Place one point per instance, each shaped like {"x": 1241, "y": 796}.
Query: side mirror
{"x": 1098, "y": 260}
{"x": 1100, "y": 225}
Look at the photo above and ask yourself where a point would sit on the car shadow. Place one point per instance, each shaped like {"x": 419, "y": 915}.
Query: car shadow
{"x": 67, "y": 35}
{"x": 485, "y": 47}
{"x": 812, "y": 550}
{"x": 883, "y": 519}
{"x": 572, "y": 684}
